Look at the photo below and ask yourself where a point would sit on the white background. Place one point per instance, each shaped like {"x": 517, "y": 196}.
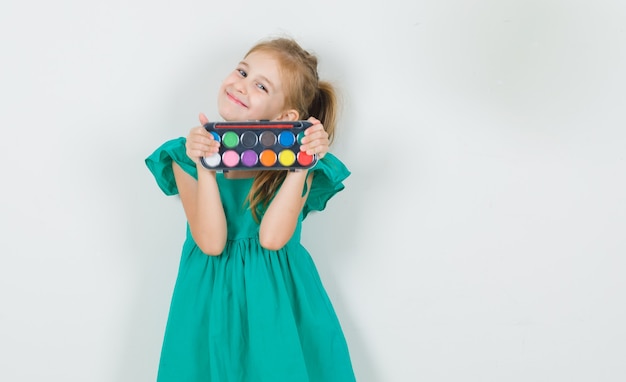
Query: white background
{"x": 481, "y": 236}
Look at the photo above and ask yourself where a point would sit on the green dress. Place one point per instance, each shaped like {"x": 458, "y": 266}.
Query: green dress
{"x": 250, "y": 314}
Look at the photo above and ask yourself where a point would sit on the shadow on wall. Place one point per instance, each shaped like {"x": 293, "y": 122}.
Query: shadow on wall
{"x": 153, "y": 242}
{"x": 341, "y": 227}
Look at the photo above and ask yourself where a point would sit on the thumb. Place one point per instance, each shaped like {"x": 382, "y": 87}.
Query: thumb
{"x": 203, "y": 119}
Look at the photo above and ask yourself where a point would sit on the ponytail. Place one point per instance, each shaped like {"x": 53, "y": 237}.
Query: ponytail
{"x": 325, "y": 107}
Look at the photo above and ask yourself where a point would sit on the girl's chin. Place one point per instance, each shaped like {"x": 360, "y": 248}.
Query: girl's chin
{"x": 238, "y": 117}
{"x": 229, "y": 116}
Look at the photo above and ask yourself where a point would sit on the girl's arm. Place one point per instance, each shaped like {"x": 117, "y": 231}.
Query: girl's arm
{"x": 281, "y": 218}
{"x": 201, "y": 198}
{"x": 203, "y": 208}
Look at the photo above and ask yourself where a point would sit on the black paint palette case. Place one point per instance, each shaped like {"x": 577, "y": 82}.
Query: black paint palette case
{"x": 258, "y": 145}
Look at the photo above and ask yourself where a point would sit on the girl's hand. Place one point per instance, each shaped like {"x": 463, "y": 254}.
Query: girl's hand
{"x": 315, "y": 139}
{"x": 200, "y": 143}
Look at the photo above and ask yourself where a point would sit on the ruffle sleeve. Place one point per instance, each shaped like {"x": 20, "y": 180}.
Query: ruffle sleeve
{"x": 328, "y": 176}
{"x": 160, "y": 164}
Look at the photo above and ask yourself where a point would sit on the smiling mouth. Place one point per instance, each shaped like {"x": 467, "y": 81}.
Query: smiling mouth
{"x": 235, "y": 100}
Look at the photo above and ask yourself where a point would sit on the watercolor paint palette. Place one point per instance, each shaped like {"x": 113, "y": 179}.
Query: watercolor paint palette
{"x": 258, "y": 145}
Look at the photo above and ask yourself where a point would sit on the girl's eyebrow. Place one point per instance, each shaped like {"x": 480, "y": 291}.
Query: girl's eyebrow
{"x": 262, "y": 77}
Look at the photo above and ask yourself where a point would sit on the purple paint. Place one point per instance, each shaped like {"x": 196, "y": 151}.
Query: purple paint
{"x": 249, "y": 158}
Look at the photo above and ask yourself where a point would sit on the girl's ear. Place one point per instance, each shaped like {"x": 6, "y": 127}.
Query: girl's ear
{"x": 289, "y": 115}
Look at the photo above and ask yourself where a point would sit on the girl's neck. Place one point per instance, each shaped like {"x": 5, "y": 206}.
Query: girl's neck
{"x": 240, "y": 174}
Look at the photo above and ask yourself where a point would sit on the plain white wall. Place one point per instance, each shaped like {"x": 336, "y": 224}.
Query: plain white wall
{"x": 480, "y": 237}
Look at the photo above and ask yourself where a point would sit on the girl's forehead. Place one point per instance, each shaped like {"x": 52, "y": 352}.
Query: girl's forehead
{"x": 261, "y": 58}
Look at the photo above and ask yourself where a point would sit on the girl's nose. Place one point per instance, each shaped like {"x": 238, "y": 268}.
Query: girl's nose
{"x": 241, "y": 86}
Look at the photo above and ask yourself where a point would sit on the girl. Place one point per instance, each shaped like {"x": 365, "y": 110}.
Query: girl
{"x": 248, "y": 304}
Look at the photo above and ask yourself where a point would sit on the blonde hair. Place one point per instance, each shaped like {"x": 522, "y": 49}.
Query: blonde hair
{"x": 305, "y": 93}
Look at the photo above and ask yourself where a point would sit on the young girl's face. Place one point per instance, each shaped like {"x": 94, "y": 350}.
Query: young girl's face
{"x": 253, "y": 91}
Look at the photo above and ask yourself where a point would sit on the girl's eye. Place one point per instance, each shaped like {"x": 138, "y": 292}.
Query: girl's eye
{"x": 242, "y": 73}
{"x": 262, "y": 87}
